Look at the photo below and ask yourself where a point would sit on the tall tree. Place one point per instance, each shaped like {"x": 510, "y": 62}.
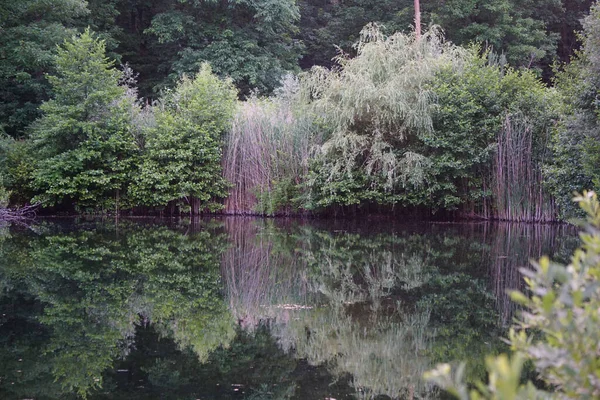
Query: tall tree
{"x": 516, "y": 28}
{"x": 576, "y": 143}
{"x": 182, "y": 152}
{"x": 29, "y": 33}
{"x": 327, "y": 26}
{"x": 83, "y": 138}
{"x": 249, "y": 41}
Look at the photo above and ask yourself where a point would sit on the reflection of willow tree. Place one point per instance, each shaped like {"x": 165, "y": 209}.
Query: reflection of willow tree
{"x": 337, "y": 303}
{"x": 378, "y": 307}
{"x": 92, "y": 287}
{"x": 384, "y": 357}
{"x": 362, "y": 327}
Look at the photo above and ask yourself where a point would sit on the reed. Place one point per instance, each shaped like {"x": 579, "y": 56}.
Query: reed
{"x": 517, "y": 186}
{"x": 258, "y": 287}
{"x": 268, "y": 148}
{"x": 513, "y": 246}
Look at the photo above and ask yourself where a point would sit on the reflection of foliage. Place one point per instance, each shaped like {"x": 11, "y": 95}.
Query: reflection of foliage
{"x": 251, "y": 367}
{"x": 384, "y": 356}
{"x": 557, "y": 332}
{"x": 510, "y": 252}
{"x": 94, "y": 284}
{"x": 345, "y": 313}
{"x": 464, "y": 319}
{"x": 367, "y": 308}
{"x": 362, "y": 329}
{"x": 351, "y": 268}
{"x": 378, "y": 306}
{"x": 162, "y": 374}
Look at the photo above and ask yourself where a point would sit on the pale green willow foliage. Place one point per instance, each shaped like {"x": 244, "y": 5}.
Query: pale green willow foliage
{"x": 378, "y": 101}
{"x": 563, "y": 307}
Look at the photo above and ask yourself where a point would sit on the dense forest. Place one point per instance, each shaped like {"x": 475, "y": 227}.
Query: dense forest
{"x": 300, "y": 107}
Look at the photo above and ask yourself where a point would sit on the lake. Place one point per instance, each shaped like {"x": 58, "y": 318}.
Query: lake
{"x": 243, "y": 308}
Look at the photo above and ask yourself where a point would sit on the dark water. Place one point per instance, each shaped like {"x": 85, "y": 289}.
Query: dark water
{"x": 254, "y": 309}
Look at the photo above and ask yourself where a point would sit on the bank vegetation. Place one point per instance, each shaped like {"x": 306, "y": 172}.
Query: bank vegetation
{"x": 403, "y": 125}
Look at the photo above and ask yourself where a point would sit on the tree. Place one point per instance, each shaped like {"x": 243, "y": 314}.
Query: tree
{"x": 83, "y": 140}
{"x": 29, "y": 33}
{"x": 328, "y": 27}
{"x": 489, "y": 120}
{"x": 182, "y": 152}
{"x": 575, "y": 142}
{"x": 249, "y": 41}
{"x": 376, "y": 106}
{"x": 516, "y": 28}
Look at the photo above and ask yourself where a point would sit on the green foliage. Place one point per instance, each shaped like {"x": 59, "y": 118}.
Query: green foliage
{"x": 563, "y": 307}
{"x": 29, "y": 33}
{"x": 17, "y": 163}
{"x": 574, "y": 165}
{"x": 557, "y": 330}
{"x": 181, "y": 158}
{"x": 83, "y": 140}
{"x": 4, "y": 194}
{"x": 527, "y": 33}
{"x": 328, "y": 27}
{"x": 283, "y": 197}
{"x": 515, "y": 28}
{"x": 424, "y": 123}
{"x": 376, "y": 104}
{"x": 475, "y": 105}
{"x": 504, "y": 381}
{"x": 251, "y": 42}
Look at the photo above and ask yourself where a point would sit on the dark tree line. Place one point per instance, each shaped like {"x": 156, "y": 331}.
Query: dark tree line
{"x": 254, "y": 42}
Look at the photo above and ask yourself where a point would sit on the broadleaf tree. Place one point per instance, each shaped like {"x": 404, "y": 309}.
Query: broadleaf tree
{"x": 182, "y": 152}
{"x": 29, "y": 33}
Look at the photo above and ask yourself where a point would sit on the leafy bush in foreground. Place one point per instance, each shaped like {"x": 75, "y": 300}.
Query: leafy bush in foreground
{"x": 557, "y": 331}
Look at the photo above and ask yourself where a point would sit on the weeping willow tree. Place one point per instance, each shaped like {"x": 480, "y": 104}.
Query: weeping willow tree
{"x": 377, "y": 105}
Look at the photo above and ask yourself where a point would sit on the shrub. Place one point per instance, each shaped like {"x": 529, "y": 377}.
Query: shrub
{"x": 557, "y": 331}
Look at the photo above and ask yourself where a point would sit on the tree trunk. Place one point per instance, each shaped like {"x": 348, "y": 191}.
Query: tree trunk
{"x": 417, "y": 19}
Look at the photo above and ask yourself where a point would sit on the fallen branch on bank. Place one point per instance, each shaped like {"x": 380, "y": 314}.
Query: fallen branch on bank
{"x": 19, "y": 214}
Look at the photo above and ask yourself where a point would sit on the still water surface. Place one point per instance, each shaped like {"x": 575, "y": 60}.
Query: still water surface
{"x": 239, "y": 308}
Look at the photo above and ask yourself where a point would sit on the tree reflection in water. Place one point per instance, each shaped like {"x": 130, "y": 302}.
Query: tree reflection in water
{"x": 380, "y": 309}
{"x": 93, "y": 286}
{"x": 249, "y": 308}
